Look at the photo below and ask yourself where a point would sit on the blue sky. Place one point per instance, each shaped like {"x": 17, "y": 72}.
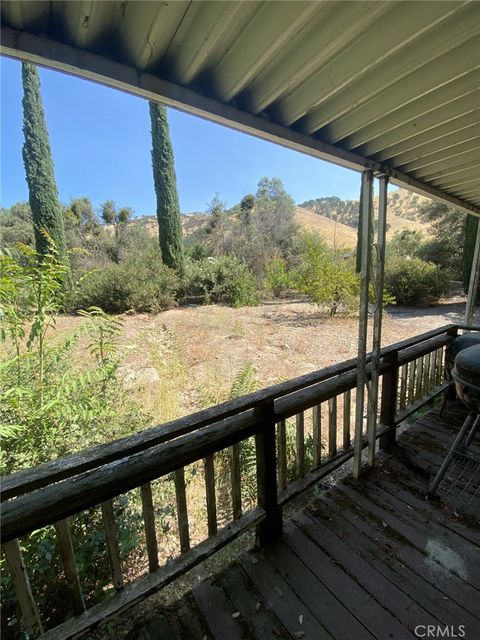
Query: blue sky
{"x": 101, "y": 146}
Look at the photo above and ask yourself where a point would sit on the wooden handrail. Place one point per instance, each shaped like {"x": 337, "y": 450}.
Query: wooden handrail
{"x": 42, "y": 475}
{"x": 57, "y": 501}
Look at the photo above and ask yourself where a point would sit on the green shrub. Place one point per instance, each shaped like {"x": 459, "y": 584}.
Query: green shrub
{"x": 413, "y": 281}
{"x": 276, "y": 276}
{"x": 223, "y": 280}
{"x": 142, "y": 285}
{"x": 325, "y": 277}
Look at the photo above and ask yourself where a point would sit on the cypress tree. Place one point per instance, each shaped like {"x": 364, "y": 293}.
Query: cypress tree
{"x": 168, "y": 208}
{"x": 471, "y": 224}
{"x": 47, "y": 213}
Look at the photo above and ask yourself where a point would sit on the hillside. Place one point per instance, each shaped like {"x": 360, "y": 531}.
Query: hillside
{"x": 403, "y": 211}
{"x": 335, "y": 220}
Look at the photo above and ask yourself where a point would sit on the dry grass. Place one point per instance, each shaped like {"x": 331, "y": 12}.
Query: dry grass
{"x": 184, "y": 359}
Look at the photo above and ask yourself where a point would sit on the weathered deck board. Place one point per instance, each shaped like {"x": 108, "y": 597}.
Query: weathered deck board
{"x": 365, "y": 560}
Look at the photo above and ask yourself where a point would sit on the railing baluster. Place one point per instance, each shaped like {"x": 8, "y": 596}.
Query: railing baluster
{"x": 300, "y": 444}
{"x": 411, "y": 382}
{"x": 234, "y": 455}
{"x": 441, "y": 354}
{"x": 436, "y": 369}
{"x": 347, "y": 400}
{"x": 427, "y": 377}
{"x": 67, "y": 554}
{"x": 111, "y": 538}
{"x": 149, "y": 522}
{"x": 282, "y": 455}
{"x": 267, "y": 491}
{"x": 210, "y": 495}
{"x": 332, "y": 427}
{"x": 182, "y": 513}
{"x": 317, "y": 434}
{"x": 419, "y": 378}
{"x": 403, "y": 387}
{"x": 28, "y": 607}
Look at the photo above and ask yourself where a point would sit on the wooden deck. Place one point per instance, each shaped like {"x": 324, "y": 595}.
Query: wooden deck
{"x": 363, "y": 561}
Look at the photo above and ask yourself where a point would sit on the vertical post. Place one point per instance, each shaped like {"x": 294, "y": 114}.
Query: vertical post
{"x": 271, "y": 527}
{"x": 30, "y": 617}
{"x": 364, "y": 262}
{"x": 282, "y": 455}
{"x": 474, "y": 279}
{"x": 111, "y": 539}
{"x": 300, "y": 444}
{"x": 389, "y": 401}
{"x": 377, "y": 320}
{"x": 211, "y": 499}
{"x": 182, "y": 512}
{"x": 67, "y": 554}
{"x": 149, "y": 522}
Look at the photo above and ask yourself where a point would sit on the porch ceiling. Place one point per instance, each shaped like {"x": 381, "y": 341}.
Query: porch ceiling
{"x": 392, "y": 86}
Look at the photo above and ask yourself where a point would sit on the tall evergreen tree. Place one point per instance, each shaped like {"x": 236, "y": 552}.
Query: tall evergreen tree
{"x": 168, "y": 209}
{"x": 47, "y": 213}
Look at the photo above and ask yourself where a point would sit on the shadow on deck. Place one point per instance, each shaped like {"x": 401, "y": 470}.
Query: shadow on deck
{"x": 364, "y": 560}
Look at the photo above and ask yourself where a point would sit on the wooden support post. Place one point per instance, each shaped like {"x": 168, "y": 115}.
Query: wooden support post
{"x": 149, "y": 522}
{"x": 271, "y": 528}
{"x": 182, "y": 513}
{"x": 67, "y": 554}
{"x": 30, "y": 618}
{"x": 235, "y": 474}
{"x": 210, "y": 495}
{"x": 389, "y": 402}
{"x": 473, "y": 282}
{"x": 372, "y": 413}
{"x": 111, "y": 538}
{"x": 300, "y": 444}
{"x": 366, "y": 246}
{"x": 282, "y": 455}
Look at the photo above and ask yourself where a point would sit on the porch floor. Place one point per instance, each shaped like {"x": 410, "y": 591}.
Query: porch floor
{"x": 364, "y": 560}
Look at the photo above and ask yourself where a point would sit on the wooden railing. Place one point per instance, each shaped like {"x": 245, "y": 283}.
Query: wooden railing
{"x": 297, "y": 432}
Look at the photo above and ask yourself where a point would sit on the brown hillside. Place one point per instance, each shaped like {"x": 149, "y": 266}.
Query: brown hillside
{"x": 403, "y": 208}
{"x": 334, "y": 233}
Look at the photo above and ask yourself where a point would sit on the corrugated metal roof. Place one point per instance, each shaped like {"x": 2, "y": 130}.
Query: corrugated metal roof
{"x": 392, "y": 86}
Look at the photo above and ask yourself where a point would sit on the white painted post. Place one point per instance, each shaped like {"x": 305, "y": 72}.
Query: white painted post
{"x": 473, "y": 283}
{"x": 366, "y": 228}
{"x": 377, "y": 320}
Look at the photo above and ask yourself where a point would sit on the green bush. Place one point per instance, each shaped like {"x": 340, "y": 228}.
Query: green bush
{"x": 224, "y": 280}
{"x": 413, "y": 281}
{"x": 325, "y": 277}
{"x": 276, "y": 276}
{"x": 141, "y": 285}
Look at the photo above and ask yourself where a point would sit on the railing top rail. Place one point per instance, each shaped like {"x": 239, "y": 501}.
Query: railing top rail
{"x": 58, "y": 501}
{"x": 94, "y": 457}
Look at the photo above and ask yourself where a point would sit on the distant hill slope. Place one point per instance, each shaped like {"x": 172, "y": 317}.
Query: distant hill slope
{"x": 403, "y": 211}
{"x": 334, "y": 233}
{"x": 335, "y": 220}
